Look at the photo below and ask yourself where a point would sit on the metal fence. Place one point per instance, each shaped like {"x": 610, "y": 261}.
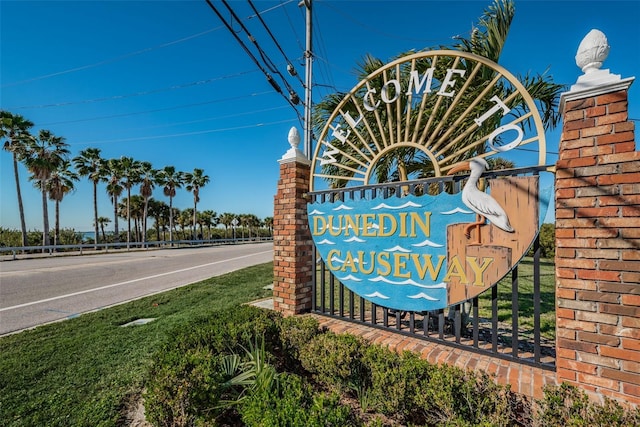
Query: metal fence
{"x": 15, "y": 252}
{"x": 489, "y": 324}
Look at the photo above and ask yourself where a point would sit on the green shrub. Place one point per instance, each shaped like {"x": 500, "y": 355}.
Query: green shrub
{"x": 181, "y": 382}
{"x": 296, "y": 332}
{"x": 464, "y": 398}
{"x": 337, "y": 361}
{"x": 395, "y": 380}
{"x": 294, "y": 403}
{"x": 568, "y": 406}
{"x": 189, "y": 381}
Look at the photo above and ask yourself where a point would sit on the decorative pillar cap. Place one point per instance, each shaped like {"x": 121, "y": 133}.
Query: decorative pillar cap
{"x": 294, "y": 154}
{"x": 592, "y": 53}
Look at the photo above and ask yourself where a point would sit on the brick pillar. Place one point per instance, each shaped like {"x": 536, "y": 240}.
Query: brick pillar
{"x": 292, "y": 244}
{"x": 598, "y": 241}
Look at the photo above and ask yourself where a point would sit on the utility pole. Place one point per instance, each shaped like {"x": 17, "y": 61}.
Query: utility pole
{"x": 308, "y": 54}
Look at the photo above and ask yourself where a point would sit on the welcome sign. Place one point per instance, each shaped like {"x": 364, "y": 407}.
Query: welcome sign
{"x": 451, "y": 110}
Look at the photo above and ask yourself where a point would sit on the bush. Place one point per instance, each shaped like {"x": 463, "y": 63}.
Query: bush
{"x": 396, "y": 380}
{"x": 294, "y": 403}
{"x": 567, "y": 406}
{"x": 248, "y": 366}
{"x": 336, "y": 360}
{"x": 188, "y": 377}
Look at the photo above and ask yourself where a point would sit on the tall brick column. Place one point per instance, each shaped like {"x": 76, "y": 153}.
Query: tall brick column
{"x": 292, "y": 244}
{"x": 598, "y": 239}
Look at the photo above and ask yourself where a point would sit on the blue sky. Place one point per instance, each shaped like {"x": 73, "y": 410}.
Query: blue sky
{"x": 165, "y": 82}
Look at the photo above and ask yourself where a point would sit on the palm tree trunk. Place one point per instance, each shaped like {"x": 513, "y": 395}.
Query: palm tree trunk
{"x": 116, "y": 237}
{"x": 171, "y": 220}
{"x": 95, "y": 214}
{"x": 195, "y": 214}
{"x": 45, "y": 218}
{"x": 128, "y": 216}
{"x": 104, "y": 238}
{"x": 56, "y": 239}
{"x": 23, "y": 225}
{"x": 144, "y": 220}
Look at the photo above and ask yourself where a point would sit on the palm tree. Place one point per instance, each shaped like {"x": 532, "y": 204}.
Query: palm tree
{"x": 44, "y": 155}
{"x": 113, "y": 176}
{"x": 226, "y": 219}
{"x": 171, "y": 180}
{"x": 15, "y": 129}
{"x": 148, "y": 179}
{"x": 160, "y": 211}
{"x": 487, "y": 40}
{"x": 102, "y": 221}
{"x": 60, "y": 184}
{"x": 130, "y": 177}
{"x": 89, "y": 163}
{"x": 209, "y": 218}
{"x": 268, "y": 222}
{"x": 195, "y": 181}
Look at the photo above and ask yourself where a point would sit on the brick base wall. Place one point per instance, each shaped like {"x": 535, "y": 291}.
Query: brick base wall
{"x": 598, "y": 249}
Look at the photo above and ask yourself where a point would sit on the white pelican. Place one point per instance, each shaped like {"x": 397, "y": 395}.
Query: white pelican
{"x": 480, "y": 202}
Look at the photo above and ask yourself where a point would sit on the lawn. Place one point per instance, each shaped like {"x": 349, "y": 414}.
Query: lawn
{"x": 84, "y": 371}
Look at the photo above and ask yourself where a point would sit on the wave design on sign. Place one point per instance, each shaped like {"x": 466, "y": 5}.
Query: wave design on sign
{"x": 403, "y": 206}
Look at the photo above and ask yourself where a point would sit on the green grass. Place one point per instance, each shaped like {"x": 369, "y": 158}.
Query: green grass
{"x": 82, "y": 372}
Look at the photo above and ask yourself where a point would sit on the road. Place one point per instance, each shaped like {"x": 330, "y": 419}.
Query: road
{"x": 38, "y": 291}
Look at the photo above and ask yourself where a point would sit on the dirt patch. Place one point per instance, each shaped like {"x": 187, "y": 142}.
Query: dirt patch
{"x": 133, "y": 413}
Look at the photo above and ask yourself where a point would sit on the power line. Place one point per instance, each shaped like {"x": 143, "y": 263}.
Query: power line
{"x": 158, "y": 109}
{"x": 141, "y": 93}
{"x": 111, "y": 60}
{"x": 175, "y": 135}
{"x": 293, "y": 98}
{"x": 270, "y": 79}
{"x": 290, "y": 68}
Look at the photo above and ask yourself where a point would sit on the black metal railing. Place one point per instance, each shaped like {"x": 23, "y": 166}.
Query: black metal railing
{"x": 490, "y": 323}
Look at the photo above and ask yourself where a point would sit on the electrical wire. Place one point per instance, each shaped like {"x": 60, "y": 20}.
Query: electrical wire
{"x": 130, "y": 95}
{"x": 293, "y": 97}
{"x": 290, "y": 67}
{"x": 111, "y": 60}
{"x": 270, "y": 79}
{"x": 176, "y": 107}
{"x": 176, "y": 135}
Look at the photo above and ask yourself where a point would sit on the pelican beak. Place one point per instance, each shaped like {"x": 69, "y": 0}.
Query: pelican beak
{"x": 464, "y": 166}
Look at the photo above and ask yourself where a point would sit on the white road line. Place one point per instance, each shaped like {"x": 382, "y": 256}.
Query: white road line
{"x": 127, "y": 282}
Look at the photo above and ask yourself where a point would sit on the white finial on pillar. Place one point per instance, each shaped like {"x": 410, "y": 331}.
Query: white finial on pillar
{"x": 592, "y": 53}
{"x": 294, "y": 154}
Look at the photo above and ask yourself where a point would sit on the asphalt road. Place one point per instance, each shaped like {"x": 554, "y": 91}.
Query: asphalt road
{"x": 38, "y": 291}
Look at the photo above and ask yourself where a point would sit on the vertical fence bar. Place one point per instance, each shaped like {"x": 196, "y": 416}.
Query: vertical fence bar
{"x": 362, "y": 309}
{"x": 351, "y": 306}
{"x": 476, "y": 323}
{"x": 385, "y": 317}
{"x": 398, "y": 320}
{"x": 457, "y": 322}
{"x": 514, "y": 312}
{"x": 412, "y": 322}
{"x": 441, "y": 324}
{"x": 494, "y": 318}
{"x": 374, "y": 313}
{"x": 536, "y": 300}
{"x": 332, "y": 294}
{"x": 341, "y": 300}
{"x": 314, "y": 274}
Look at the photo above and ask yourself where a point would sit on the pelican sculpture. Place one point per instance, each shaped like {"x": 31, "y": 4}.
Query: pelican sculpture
{"x": 485, "y": 206}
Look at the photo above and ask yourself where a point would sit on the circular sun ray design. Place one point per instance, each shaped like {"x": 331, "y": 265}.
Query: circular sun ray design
{"x": 425, "y": 112}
